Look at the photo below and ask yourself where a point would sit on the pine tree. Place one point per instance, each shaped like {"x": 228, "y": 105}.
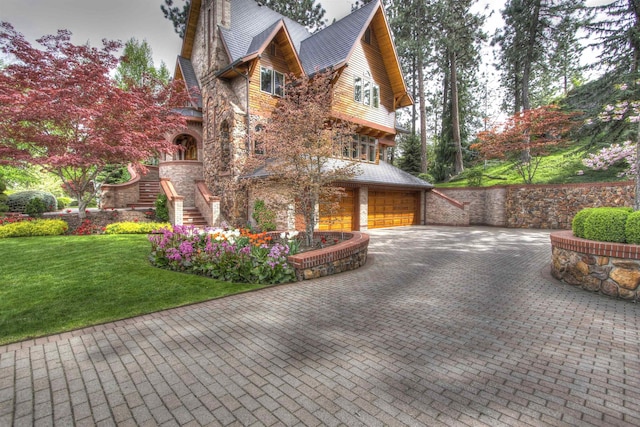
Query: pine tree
{"x": 305, "y": 12}
{"x": 409, "y": 161}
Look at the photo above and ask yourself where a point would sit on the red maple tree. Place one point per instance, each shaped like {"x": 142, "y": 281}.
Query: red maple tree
{"x": 525, "y": 137}
{"x": 60, "y": 109}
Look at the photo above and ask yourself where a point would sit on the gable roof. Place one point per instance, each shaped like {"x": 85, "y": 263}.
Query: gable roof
{"x": 185, "y": 70}
{"x": 253, "y": 26}
{"x": 333, "y": 45}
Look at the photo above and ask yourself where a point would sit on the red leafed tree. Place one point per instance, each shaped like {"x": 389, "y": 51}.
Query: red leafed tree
{"x": 59, "y": 108}
{"x": 295, "y": 150}
{"x": 525, "y": 137}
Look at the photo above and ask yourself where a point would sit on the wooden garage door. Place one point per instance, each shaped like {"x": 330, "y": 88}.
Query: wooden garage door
{"x": 344, "y": 219}
{"x": 393, "y": 208}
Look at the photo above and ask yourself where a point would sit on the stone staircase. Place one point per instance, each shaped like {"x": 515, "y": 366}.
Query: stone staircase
{"x": 149, "y": 191}
{"x": 192, "y": 216}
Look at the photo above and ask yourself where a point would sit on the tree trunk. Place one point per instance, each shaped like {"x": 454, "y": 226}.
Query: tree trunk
{"x": 458, "y": 165}
{"x": 526, "y": 71}
{"x": 424, "y": 163}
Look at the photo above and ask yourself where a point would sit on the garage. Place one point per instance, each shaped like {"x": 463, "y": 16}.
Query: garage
{"x": 345, "y": 218}
{"x": 393, "y": 208}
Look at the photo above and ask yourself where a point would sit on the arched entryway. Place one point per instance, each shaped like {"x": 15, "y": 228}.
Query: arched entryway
{"x": 188, "y": 147}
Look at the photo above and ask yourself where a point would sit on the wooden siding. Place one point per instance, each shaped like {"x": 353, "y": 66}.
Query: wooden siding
{"x": 284, "y": 61}
{"x": 365, "y": 60}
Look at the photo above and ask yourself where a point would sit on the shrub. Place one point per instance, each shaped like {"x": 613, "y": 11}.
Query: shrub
{"x": 37, "y": 227}
{"x": 474, "y": 177}
{"x": 162, "y": 211}
{"x": 35, "y": 208}
{"x": 632, "y": 228}
{"x": 265, "y": 218}
{"x": 18, "y": 202}
{"x": 63, "y": 202}
{"x": 3, "y": 198}
{"x": 129, "y": 227}
{"x": 607, "y": 224}
{"x": 577, "y": 224}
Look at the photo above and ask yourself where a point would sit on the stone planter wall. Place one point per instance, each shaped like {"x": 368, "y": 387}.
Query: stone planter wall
{"x": 346, "y": 255}
{"x": 609, "y": 268}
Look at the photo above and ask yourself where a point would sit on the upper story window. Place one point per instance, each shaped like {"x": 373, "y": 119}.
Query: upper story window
{"x": 366, "y": 91}
{"x": 358, "y": 147}
{"x": 225, "y": 146}
{"x": 271, "y": 81}
{"x": 367, "y": 35}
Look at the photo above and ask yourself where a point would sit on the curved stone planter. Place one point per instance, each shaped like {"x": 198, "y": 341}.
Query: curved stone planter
{"x": 346, "y": 255}
{"x": 609, "y": 268}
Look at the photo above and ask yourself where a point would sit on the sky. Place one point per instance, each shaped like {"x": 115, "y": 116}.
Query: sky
{"x": 94, "y": 20}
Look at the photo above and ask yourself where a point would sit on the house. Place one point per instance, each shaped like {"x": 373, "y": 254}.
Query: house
{"x": 237, "y": 54}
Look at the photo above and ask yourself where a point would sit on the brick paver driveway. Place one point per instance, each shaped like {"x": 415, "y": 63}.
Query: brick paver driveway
{"x": 444, "y": 326}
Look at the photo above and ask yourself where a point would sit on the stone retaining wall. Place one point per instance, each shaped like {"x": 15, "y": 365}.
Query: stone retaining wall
{"x": 609, "y": 268}
{"x": 344, "y": 256}
{"x": 538, "y": 206}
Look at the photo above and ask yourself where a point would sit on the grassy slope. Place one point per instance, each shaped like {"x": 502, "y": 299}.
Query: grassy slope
{"x": 55, "y": 284}
{"x": 560, "y": 167}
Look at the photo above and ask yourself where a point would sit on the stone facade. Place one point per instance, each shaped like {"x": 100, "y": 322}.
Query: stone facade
{"x": 536, "y": 206}
{"x": 612, "y": 269}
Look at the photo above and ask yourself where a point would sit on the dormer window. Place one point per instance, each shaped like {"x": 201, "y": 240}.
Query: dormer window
{"x": 273, "y": 51}
{"x": 272, "y": 81}
{"x": 367, "y": 35}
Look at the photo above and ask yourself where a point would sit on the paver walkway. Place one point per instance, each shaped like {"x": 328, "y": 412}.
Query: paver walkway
{"x": 443, "y": 326}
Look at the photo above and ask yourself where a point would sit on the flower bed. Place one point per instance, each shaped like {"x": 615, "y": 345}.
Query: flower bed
{"x": 269, "y": 258}
{"x": 609, "y": 268}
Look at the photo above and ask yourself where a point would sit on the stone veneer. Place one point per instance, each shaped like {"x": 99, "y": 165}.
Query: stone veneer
{"x": 609, "y": 268}
{"x": 545, "y": 206}
{"x": 344, "y": 256}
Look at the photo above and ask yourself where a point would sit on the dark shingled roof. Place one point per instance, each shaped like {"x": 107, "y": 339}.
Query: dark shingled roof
{"x": 252, "y": 23}
{"x": 371, "y": 174}
{"x": 190, "y": 79}
{"x": 333, "y": 44}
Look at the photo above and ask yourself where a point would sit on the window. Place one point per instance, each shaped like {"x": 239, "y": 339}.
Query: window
{"x": 278, "y": 80}
{"x": 358, "y": 147}
{"x": 271, "y": 81}
{"x": 266, "y": 79}
{"x": 366, "y": 99}
{"x": 258, "y": 144}
{"x": 367, "y": 35}
{"x": 366, "y": 91}
{"x": 357, "y": 89}
{"x": 273, "y": 51}
{"x": 376, "y": 96}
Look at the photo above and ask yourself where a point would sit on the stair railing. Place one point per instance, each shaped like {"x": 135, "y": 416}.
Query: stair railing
{"x": 208, "y": 204}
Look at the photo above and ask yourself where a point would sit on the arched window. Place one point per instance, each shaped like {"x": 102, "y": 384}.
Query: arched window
{"x": 188, "y": 148}
{"x": 225, "y": 146}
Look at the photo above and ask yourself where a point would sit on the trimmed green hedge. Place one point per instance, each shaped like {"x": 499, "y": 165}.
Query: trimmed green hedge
{"x": 632, "y": 228}
{"x": 607, "y": 224}
{"x": 577, "y": 225}
{"x": 38, "y": 227}
{"x": 129, "y": 227}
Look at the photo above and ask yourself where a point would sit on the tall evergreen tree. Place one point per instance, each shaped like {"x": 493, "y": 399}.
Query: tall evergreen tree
{"x": 618, "y": 33}
{"x": 537, "y": 40}
{"x": 305, "y": 12}
{"x": 177, "y": 15}
{"x": 136, "y": 67}
{"x": 459, "y": 34}
{"x": 409, "y": 160}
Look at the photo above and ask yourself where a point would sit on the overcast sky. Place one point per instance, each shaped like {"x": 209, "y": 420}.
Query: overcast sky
{"x": 94, "y": 20}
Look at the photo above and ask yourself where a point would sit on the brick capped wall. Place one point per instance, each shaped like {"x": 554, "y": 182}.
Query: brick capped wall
{"x": 538, "y": 206}
{"x": 443, "y": 210}
{"x": 183, "y": 176}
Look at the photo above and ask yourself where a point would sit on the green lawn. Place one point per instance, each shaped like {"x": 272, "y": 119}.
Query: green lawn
{"x": 55, "y": 284}
{"x": 560, "y": 167}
